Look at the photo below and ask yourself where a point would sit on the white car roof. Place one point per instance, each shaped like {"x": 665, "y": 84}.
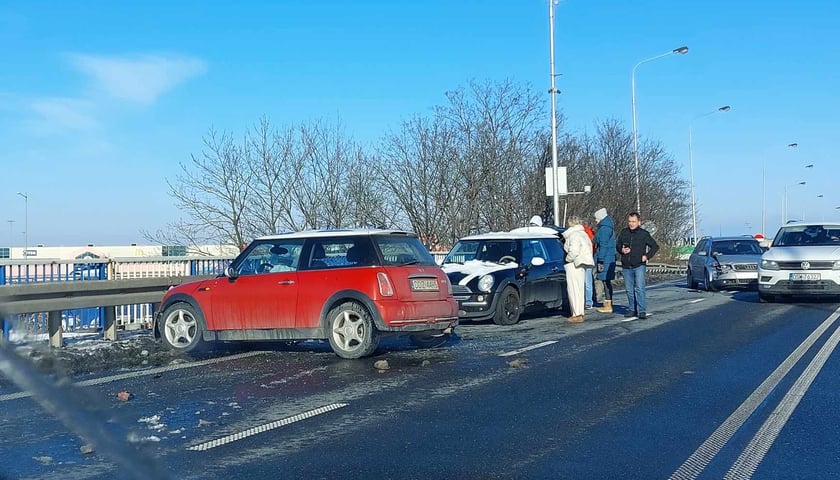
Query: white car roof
{"x": 808, "y": 224}
{"x": 334, "y": 233}
{"x": 516, "y": 234}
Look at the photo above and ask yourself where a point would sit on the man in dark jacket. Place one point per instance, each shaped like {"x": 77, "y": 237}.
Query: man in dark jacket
{"x": 605, "y": 253}
{"x": 636, "y": 247}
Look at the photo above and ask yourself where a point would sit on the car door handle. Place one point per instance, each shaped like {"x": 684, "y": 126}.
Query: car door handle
{"x": 286, "y": 282}
{"x": 555, "y": 269}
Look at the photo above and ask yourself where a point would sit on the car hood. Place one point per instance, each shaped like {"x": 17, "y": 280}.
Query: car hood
{"x": 814, "y": 252}
{"x": 752, "y": 258}
{"x": 461, "y": 274}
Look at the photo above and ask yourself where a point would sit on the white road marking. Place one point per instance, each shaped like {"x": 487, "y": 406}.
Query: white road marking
{"x": 746, "y": 464}
{"x": 525, "y": 349}
{"x": 264, "y": 428}
{"x": 142, "y": 373}
{"x": 629, "y": 319}
{"x": 697, "y": 462}
{"x": 697, "y": 300}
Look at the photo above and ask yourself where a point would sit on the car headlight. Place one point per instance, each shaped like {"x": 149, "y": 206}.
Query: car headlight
{"x": 485, "y": 283}
{"x": 769, "y": 264}
{"x": 836, "y": 265}
{"x": 723, "y": 268}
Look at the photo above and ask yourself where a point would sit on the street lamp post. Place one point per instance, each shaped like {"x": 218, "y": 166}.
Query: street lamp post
{"x": 553, "y": 92}
{"x": 681, "y": 51}
{"x": 785, "y": 212}
{"x": 724, "y": 108}
{"x": 25, "y": 222}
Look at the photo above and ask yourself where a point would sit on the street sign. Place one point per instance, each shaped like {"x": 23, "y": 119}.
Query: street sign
{"x": 562, "y": 187}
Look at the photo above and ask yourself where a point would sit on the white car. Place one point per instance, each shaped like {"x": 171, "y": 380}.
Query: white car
{"x": 803, "y": 259}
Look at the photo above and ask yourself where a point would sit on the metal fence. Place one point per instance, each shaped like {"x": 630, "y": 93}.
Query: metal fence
{"x": 19, "y": 272}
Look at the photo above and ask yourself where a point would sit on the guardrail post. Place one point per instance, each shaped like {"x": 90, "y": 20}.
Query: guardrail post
{"x": 54, "y": 329}
{"x": 110, "y": 327}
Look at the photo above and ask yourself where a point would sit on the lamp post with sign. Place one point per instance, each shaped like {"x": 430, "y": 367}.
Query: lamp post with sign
{"x": 25, "y": 223}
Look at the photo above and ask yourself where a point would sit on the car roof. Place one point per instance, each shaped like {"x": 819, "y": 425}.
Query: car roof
{"x": 516, "y": 234}
{"x": 732, "y": 237}
{"x": 812, "y": 224}
{"x": 334, "y": 233}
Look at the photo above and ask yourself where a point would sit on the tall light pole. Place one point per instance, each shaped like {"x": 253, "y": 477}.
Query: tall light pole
{"x": 25, "y": 222}
{"x": 784, "y": 213}
{"x": 681, "y": 51}
{"x": 553, "y": 92}
{"x": 764, "y": 195}
{"x": 724, "y": 108}
{"x": 11, "y": 235}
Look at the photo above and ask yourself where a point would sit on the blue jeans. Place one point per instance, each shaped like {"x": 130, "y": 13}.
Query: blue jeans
{"x": 634, "y": 282}
{"x": 587, "y": 286}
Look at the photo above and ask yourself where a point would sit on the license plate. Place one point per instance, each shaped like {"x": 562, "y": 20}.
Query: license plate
{"x": 804, "y": 276}
{"x": 424, "y": 284}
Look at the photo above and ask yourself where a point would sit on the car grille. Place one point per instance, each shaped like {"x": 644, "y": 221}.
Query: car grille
{"x": 813, "y": 265}
{"x": 459, "y": 290}
{"x": 746, "y": 266}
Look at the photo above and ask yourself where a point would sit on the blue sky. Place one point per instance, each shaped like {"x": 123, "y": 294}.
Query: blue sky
{"x": 100, "y": 100}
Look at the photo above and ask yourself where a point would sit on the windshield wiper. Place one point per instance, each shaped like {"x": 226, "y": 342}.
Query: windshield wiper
{"x": 412, "y": 262}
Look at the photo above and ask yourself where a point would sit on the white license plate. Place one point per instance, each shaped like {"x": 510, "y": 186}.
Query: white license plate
{"x": 804, "y": 276}
{"x": 424, "y": 284}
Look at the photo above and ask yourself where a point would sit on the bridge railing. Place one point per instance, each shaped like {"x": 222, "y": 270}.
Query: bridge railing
{"x": 130, "y": 313}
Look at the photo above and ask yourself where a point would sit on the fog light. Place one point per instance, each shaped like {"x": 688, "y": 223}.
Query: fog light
{"x": 479, "y": 298}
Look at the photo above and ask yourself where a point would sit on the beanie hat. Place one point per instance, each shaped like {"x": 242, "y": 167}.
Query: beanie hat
{"x": 600, "y": 214}
{"x": 536, "y": 221}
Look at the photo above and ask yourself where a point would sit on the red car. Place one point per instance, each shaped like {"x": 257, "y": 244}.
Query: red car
{"x": 348, "y": 286}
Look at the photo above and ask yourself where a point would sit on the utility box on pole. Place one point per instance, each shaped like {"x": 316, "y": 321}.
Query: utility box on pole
{"x": 562, "y": 187}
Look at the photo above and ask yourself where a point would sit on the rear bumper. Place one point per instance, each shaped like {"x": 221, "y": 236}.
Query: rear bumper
{"x": 417, "y": 316}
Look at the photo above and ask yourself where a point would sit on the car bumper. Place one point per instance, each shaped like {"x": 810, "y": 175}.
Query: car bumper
{"x": 736, "y": 279}
{"x": 417, "y": 316}
{"x": 476, "y": 306}
{"x": 779, "y": 282}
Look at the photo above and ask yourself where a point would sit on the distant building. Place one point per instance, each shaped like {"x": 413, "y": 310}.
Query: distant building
{"x": 90, "y": 251}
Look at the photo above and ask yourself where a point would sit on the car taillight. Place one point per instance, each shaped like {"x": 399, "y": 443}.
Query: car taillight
{"x": 385, "y": 287}
{"x": 448, "y": 284}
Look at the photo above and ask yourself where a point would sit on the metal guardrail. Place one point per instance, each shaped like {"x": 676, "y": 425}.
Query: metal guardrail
{"x": 55, "y": 297}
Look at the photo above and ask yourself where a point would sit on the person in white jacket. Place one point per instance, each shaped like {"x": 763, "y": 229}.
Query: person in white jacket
{"x": 578, "y": 257}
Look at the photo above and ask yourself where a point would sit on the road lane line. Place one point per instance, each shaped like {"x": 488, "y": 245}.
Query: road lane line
{"x": 746, "y": 464}
{"x": 141, "y": 373}
{"x": 697, "y": 300}
{"x": 525, "y": 349}
{"x": 697, "y": 462}
{"x": 264, "y": 428}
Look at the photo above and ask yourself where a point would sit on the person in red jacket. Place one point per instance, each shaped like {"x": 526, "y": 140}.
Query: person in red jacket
{"x": 587, "y": 274}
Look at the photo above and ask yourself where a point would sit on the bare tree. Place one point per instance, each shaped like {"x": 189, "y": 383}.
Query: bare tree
{"x": 213, "y": 191}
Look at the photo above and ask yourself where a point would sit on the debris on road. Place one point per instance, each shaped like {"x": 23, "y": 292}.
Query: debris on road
{"x": 381, "y": 365}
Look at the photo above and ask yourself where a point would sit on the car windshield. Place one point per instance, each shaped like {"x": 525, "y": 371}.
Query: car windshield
{"x": 485, "y": 250}
{"x": 808, "y": 235}
{"x": 736, "y": 247}
{"x": 403, "y": 250}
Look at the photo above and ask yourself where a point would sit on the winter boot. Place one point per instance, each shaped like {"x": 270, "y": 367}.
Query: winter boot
{"x": 607, "y": 308}
{"x": 575, "y": 319}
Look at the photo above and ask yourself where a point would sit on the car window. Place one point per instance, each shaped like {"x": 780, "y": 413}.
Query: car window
{"x": 553, "y": 250}
{"x": 403, "y": 250}
{"x": 736, "y": 247}
{"x": 496, "y": 250}
{"x": 463, "y": 251}
{"x": 341, "y": 252}
{"x": 270, "y": 257}
{"x": 808, "y": 235}
{"x": 701, "y": 247}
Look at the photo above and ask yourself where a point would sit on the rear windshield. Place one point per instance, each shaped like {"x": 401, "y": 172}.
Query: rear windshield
{"x": 736, "y": 247}
{"x": 403, "y": 250}
{"x": 807, "y": 235}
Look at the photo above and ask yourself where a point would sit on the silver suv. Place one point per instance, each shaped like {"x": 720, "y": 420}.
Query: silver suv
{"x": 804, "y": 259}
{"x": 724, "y": 262}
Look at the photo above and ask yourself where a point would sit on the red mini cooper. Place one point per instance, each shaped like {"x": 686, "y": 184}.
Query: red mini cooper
{"x": 348, "y": 286}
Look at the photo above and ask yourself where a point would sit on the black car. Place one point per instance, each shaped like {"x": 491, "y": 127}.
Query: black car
{"x": 500, "y": 275}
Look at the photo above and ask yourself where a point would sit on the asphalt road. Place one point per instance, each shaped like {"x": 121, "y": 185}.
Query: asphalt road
{"x": 711, "y": 385}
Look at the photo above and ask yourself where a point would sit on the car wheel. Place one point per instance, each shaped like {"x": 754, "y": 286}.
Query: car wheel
{"x": 351, "y": 331}
{"x": 181, "y": 327}
{"x": 508, "y": 307}
{"x": 708, "y": 284}
{"x": 764, "y": 298}
{"x": 429, "y": 340}
{"x": 692, "y": 285}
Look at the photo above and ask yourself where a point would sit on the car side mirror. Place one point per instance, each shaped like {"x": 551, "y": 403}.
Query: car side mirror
{"x": 231, "y": 272}
{"x": 537, "y": 261}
